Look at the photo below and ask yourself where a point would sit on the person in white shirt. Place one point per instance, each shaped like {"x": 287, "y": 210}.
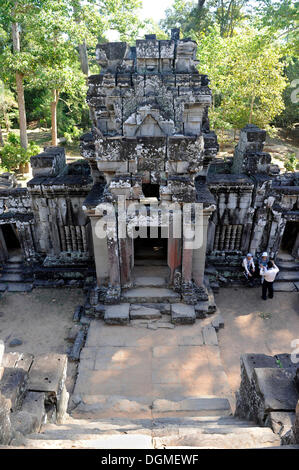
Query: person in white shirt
{"x": 263, "y": 263}
{"x": 249, "y": 267}
{"x": 269, "y": 273}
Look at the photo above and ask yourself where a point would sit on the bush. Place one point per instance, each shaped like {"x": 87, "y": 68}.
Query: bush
{"x": 13, "y": 155}
{"x": 291, "y": 162}
{"x": 72, "y": 134}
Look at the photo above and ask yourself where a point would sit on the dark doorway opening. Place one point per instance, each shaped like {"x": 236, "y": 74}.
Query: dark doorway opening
{"x": 151, "y": 190}
{"x": 151, "y": 250}
{"x": 10, "y": 240}
{"x": 290, "y": 239}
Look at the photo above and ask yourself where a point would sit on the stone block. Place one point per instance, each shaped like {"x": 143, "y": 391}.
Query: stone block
{"x": 280, "y": 422}
{"x": 210, "y": 335}
{"x": 2, "y": 348}
{"x": 249, "y": 362}
{"x": 48, "y": 163}
{"x": 276, "y": 388}
{"x": 48, "y": 373}
{"x": 5, "y": 424}
{"x": 117, "y": 314}
{"x": 32, "y": 414}
{"x": 182, "y": 314}
{"x": 218, "y": 322}
{"x": 119, "y": 167}
{"x": 201, "y": 308}
{"x": 78, "y": 312}
{"x": 13, "y": 386}
{"x": 144, "y": 313}
{"x": 78, "y": 345}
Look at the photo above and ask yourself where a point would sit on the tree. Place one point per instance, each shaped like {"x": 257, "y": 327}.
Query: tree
{"x": 52, "y": 37}
{"x": 198, "y": 18}
{"x": 281, "y": 17}
{"x": 7, "y": 103}
{"x": 247, "y": 77}
{"x": 12, "y": 15}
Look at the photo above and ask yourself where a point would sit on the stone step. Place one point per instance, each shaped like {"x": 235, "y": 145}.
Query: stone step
{"x": 106, "y": 441}
{"x": 12, "y": 277}
{"x": 104, "y": 428}
{"x": 234, "y": 438}
{"x": 13, "y": 267}
{"x": 151, "y": 262}
{"x": 201, "y": 406}
{"x": 288, "y": 265}
{"x": 286, "y": 287}
{"x": 287, "y": 276}
{"x": 150, "y": 295}
{"x": 19, "y": 287}
{"x": 284, "y": 257}
{"x": 140, "y": 312}
{"x": 182, "y": 314}
{"x": 117, "y": 314}
{"x": 150, "y": 281}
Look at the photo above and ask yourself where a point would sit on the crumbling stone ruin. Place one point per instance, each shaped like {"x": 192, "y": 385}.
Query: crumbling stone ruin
{"x": 32, "y": 393}
{"x": 150, "y": 143}
{"x": 269, "y": 394}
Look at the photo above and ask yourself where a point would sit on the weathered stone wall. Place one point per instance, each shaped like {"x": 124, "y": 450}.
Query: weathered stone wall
{"x": 32, "y": 392}
{"x": 268, "y": 394}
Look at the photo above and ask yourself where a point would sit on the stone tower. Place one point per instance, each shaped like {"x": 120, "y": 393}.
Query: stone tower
{"x": 150, "y": 143}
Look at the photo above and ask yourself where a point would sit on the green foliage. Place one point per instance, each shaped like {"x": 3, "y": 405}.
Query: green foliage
{"x": 291, "y": 162}
{"x": 246, "y": 73}
{"x": 7, "y": 106}
{"x": 290, "y": 114}
{"x": 72, "y": 135}
{"x": 13, "y": 155}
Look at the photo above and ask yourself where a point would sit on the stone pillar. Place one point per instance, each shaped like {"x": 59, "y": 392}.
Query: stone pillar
{"x": 174, "y": 255}
{"x": 100, "y": 249}
{"x": 199, "y": 255}
{"x": 125, "y": 256}
{"x": 295, "y": 250}
{"x": 258, "y": 232}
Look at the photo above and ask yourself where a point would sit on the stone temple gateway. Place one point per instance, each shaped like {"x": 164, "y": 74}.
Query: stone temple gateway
{"x": 150, "y": 143}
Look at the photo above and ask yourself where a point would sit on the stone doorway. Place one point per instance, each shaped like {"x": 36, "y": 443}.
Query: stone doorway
{"x": 150, "y": 251}
{"x": 9, "y": 241}
{"x": 290, "y": 240}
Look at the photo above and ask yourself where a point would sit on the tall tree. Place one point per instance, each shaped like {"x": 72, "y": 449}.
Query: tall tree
{"x": 19, "y": 79}
{"x": 247, "y": 77}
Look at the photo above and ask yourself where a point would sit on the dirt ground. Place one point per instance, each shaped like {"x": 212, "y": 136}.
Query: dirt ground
{"x": 255, "y": 326}
{"x": 41, "y": 320}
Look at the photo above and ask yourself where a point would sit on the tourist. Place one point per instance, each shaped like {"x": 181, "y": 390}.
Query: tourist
{"x": 269, "y": 273}
{"x": 263, "y": 263}
{"x": 249, "y": 268}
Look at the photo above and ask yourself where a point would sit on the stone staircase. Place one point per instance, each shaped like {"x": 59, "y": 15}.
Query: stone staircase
{"x": 210, "y": 427}
{"x": 287, "y": 279}
{"x": 15, "y": 276}
{"x": 150, "y": 299}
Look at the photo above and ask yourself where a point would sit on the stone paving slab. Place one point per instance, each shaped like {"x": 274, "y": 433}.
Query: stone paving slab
{"x": 150, "y": 295}
{"x": 47, "y": 373}
{"x": 210, "y": 335}
{"x": 139, "y": 312}
{"x": 117, "y": 314}
{"x": 150, "y": 281}
{"x": 182, "y": 314}
{"x": 284, "y": 287}
{"x": 134, "y": 364}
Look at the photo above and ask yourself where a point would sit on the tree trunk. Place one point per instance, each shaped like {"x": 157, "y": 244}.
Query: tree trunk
{"x": 1, "y": 138}
{"x": 201, "y": 4}
{"x": 84, "y": 58}
{"x": 54, "y": 103}
{"x": 20, "y": 89}
{"x": 251, "y": 109}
